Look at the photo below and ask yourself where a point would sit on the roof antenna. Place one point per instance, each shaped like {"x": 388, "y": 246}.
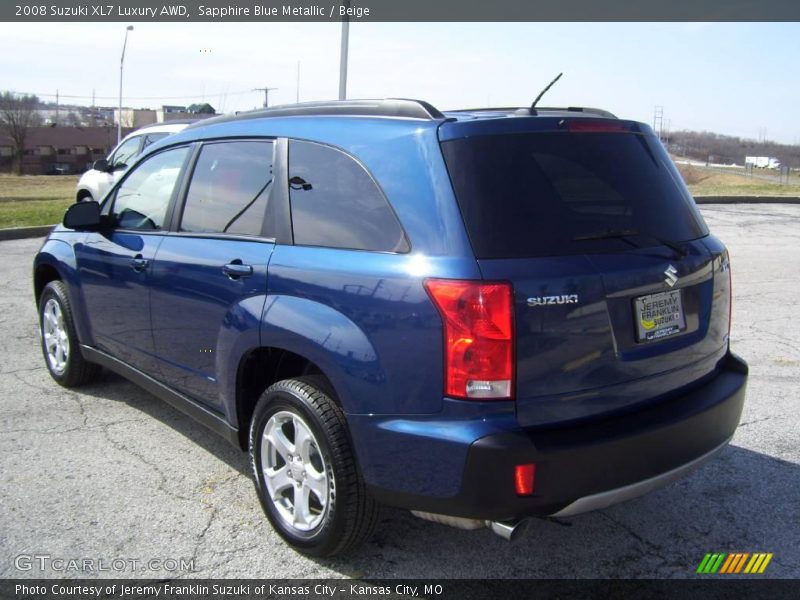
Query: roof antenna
{"x": 543, "y": 92}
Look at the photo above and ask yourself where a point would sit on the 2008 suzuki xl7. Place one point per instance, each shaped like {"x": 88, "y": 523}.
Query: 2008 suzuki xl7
{"x": 478, "y": 315}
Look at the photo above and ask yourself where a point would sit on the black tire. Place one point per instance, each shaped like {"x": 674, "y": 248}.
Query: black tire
{"x": 351, "y": 513}
{"x": 76, "y": 370}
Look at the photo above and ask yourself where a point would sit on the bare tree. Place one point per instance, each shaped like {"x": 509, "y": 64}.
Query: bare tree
{"x": 17, "y": 115}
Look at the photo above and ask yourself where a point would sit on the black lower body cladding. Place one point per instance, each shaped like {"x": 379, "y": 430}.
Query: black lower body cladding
{"x": 580, "y": 461}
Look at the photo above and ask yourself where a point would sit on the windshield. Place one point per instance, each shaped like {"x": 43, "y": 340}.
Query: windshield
{"x": 562, "y": 193}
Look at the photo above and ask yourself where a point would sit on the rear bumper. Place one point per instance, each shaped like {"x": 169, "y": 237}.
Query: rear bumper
{"x": 591, "y": 466}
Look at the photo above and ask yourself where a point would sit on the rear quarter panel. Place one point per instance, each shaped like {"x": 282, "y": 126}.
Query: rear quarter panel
{"x": 365, "y": 319}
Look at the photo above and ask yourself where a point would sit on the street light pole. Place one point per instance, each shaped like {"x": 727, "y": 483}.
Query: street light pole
{"x": 343, "y": 55}
{"x": 121, "y": 62}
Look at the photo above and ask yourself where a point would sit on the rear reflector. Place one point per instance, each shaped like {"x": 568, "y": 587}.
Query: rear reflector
{"x": 596, "y": 126}
{"x": 478, "y": 337}
{"x": 523, "y": 479}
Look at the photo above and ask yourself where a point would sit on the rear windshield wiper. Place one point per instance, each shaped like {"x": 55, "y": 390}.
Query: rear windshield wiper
{"x": 624, "y": 234}
{"x": 608, "y": 234}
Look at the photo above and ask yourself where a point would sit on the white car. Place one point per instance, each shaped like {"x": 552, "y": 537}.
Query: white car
{"x": 105, "y": 172}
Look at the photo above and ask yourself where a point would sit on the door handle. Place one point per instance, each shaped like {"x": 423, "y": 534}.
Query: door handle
{"x": 236, "y": 270}
{"x": 139, "y": 264}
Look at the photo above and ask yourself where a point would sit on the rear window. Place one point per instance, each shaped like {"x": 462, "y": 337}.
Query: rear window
{"x": 538, "y": 194}
{"x": 336, "y": 204}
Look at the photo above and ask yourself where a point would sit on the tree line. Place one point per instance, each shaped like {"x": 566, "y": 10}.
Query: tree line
{"x": 718, "y": 148}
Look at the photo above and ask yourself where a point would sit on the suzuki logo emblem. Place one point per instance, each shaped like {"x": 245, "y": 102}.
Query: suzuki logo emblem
{"x": 672, "y": 277}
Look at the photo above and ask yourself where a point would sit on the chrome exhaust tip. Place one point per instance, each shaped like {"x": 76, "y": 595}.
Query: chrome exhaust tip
{"x": 509, "y": 530}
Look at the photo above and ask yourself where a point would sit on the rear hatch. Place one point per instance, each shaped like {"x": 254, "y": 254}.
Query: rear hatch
{"x": 611, "y": 263}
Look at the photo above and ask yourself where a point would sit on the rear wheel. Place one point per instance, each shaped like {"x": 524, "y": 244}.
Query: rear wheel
{"x": 60, "y": 344}
{"x": 305, "y": 472}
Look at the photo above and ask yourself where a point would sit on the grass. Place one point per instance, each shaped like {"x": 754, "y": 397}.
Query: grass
{"x": 41, "y": 200}
{"x": 35, "y": 199}
{"x": 704, "y": 182}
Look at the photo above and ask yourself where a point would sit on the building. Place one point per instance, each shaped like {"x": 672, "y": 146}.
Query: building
{"x": 136, "y": 117}
{"x": 51, "y": 150}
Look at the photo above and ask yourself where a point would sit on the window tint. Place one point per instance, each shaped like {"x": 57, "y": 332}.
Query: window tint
{"x": 126, "y": 152}
{"x": 336, "y": 203}
{"x": 229, "y": 189}
{"x": 152, "y": 138}
{"x": 142, "y": 199}
{"x": 560, "y": 193}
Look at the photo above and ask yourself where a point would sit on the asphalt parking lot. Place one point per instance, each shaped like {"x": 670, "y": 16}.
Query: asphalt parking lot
{"x": 110, "y": 472}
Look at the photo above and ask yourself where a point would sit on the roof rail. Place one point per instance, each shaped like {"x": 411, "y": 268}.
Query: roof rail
{"x": 389, "y": 107}
{"x": 526, "y": 110}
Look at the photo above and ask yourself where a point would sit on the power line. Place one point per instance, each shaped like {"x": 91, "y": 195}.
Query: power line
{"x": 266, "y": 91}
{"x": 190, "y": 97}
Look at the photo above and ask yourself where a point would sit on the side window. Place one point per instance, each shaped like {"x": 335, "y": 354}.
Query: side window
{"x": 152, "y": 138}
{"x": 335, "y": 203}
{"x": 229, "y": 188}
{"x": 142, "y": 199}
{"x": 126, "y": 153}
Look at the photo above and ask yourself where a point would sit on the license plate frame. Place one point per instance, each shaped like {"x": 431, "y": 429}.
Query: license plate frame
{"x": 659, "y": 316}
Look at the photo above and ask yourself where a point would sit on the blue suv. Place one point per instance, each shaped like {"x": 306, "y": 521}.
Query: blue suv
{"x": 480, "y": 315}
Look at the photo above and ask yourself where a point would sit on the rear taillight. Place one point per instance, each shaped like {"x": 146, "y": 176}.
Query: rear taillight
{"x": 478, "y": 337}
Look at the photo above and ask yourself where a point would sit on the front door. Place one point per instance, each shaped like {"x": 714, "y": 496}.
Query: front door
{"x": 115, "y": 264}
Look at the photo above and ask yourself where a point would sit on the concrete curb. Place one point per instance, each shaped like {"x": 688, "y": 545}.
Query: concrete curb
{"x": 747, "y": 199}
{"x": 18, "y": 233}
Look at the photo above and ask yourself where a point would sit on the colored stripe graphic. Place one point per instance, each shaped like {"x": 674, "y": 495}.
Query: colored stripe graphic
{"x": 754, "y": 562}
{"x": 741, "y": 562}
{"x": 729, "y": 564}
{"x": 703, "y": 563}
{"x": 765, "y": 563}
{"x": 711, "y": 563}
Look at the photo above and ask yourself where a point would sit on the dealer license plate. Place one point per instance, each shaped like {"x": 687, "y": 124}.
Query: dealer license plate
{"x": 659, "y": 315}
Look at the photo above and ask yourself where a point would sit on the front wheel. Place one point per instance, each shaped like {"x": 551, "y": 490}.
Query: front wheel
{"x": 60, "y": 347}
{"x": 305, "y": 471}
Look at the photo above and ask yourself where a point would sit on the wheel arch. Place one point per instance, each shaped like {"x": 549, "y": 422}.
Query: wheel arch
{"x": 56, "y": 262}
{"x": 259, "y": 368}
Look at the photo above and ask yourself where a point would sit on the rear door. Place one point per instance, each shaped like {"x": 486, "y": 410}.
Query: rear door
{"x": 209, "y": 278}
{"x": 613, "y": 284}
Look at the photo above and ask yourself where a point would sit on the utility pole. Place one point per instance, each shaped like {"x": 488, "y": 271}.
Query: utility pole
{"x": 297, "y": 98}
{"x": 343, "y": 54}
{"x": 658, "y": 120}
{"x": 56, "y": 121}
{"x": 128, "y": 29}
{"x": 266, "y": 91}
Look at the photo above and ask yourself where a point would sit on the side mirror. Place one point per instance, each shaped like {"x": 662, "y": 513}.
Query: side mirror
{"x": 100, "y": 165}
{"x": 83, "y": 216}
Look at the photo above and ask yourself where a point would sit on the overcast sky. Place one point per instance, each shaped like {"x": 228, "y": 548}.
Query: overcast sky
{"x": 736, "y": 79}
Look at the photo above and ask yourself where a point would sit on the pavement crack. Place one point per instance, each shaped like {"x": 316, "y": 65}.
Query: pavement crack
{"x": 28, "y": 370}
{"x": 155, "y": 468}
{"x": 201, "y": 537}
